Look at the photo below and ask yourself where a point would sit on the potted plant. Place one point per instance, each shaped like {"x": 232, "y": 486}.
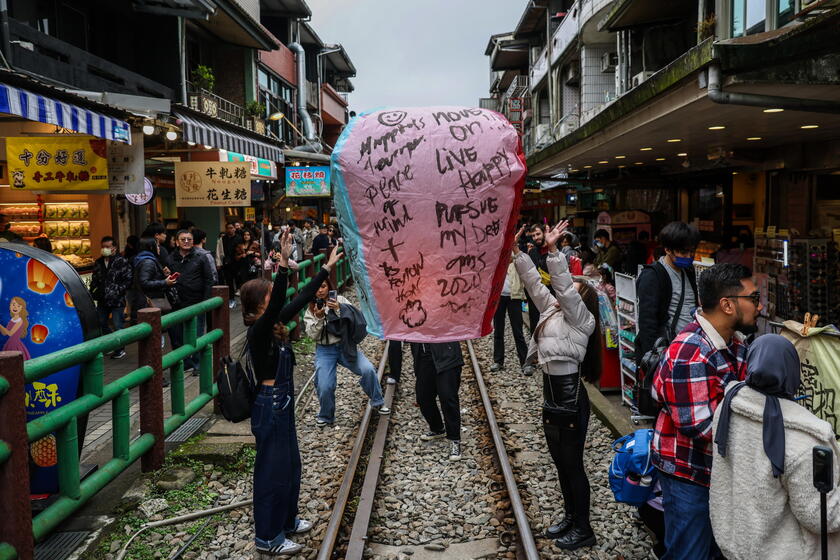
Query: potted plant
{"x": 706, "y": 28}
{"x": 201, "y": 98}
{"x": 254, "y": 113}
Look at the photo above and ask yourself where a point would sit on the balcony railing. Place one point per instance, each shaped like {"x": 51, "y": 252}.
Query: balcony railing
{"x": 64, "y": 63}
{"x": 212, "y": 105}
{"x": 518, "y": 87}
{"x": 490, "y": 103}
{"x": 539, "y": 69}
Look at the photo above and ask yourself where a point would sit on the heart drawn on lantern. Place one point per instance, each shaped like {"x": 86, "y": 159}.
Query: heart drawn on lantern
{"x": 427, "y": 200}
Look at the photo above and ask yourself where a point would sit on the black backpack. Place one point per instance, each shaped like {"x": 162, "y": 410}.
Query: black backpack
{"x": 646, "y": 369}
{"x": 237, "y": 388}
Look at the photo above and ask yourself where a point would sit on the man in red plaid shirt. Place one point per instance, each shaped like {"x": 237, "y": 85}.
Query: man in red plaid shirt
{"x": 705, "y": 356}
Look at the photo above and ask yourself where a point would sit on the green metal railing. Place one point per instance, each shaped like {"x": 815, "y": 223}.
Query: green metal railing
{"x": 18, "y": 528}
{"x": 63, "y": 422}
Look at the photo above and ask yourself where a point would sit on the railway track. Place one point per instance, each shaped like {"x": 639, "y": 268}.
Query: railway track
{"x": 370, "y": 450}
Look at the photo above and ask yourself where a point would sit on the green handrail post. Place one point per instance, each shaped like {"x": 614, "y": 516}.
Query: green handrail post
{"x": 176, "y": 387}
{"x": 205, "y": 371}
{"x": 15, "y": 510}
{"x": 67, "y": 450}
{"x": 121, "y": 425}
{"x": 151, "y": 392}
{"x": 93, "y": 376}
{"x": 190, "y": 331}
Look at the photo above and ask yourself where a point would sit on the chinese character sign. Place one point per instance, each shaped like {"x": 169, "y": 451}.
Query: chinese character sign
{"x": 307, "y": 181}
{"x": 126, "y": 166}
{"x": 212, "y": 183}
{"x": 57, "y": 163}
{"x": 427, "y": 200}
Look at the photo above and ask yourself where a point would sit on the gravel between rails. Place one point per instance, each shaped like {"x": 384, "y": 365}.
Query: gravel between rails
{"x": 517, "y": 401}
{"x": 426, "y": 500}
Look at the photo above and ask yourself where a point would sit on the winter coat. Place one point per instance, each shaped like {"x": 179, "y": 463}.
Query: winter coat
{"x": 562, "y": 333}
{"x": 196, "y": 277}
{"x": 109, "y": 283}
{"x": 350, "y": 325}
{"x": 210, "y": 259}
{"x": 755, "y": 515}
{"x": 314, "y": 326}
{"x": 149, "y": 280}
{"x": 517, "y": 290}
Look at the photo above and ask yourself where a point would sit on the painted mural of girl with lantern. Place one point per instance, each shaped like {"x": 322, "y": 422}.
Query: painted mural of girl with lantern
{"x": 18, "y": 327}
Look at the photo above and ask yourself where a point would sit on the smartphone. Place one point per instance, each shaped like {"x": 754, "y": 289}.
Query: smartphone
{"x": 333, "y": 295}
{"x": 174, "y": 275}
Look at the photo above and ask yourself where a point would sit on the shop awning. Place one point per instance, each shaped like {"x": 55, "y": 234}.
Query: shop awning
{"x": 203, "y": 131}
{"x": 40, "y": 108}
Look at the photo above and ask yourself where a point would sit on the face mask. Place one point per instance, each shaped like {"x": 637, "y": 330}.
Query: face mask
{"x": 683, "y": 262}
{"x": 599, "y": 244}
{"x": 107, "y": 252}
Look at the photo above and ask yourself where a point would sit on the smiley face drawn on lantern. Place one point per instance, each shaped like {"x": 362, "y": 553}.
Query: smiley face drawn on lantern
{"x": 391, "y": 118}
{"x": 190, "y": 181}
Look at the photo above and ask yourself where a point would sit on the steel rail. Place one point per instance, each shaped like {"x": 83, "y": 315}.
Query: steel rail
{"x": 331, "y": 534}
{"x": 525, "y": 535}
{"x": 361, "y": 522}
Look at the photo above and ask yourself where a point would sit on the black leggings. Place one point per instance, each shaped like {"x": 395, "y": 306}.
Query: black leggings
{"x": 566, "y": 437}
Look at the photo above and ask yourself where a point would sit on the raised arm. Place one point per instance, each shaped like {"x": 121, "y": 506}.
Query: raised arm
{"x": 292, "y": 310}
{"x": 566, "y": 294}
{"x": 539, "y": 293}
{"x": 264, "y": 325}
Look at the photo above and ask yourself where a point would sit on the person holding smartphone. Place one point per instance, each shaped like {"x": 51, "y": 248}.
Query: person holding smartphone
{"x": 331, "y": 349}
{"x": 194, "y": 277}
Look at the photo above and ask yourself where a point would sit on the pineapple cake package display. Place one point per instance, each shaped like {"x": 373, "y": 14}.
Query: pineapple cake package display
{"x": 427, "y": 200}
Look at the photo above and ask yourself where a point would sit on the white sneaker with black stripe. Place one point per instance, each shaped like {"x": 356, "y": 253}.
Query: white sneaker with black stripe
{"x": 302, "y": 527}
{"x": 287, "y": 548}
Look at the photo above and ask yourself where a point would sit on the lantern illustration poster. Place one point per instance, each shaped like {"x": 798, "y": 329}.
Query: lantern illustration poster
{"x": 40, "y": 313}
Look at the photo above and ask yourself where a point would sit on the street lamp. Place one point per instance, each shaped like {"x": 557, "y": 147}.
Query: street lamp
{"x": 280, "y": 116}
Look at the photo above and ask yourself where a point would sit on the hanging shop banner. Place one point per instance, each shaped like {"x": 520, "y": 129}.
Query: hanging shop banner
{"x": 260, "y": 168}
{"x": 212, "y": 183}
{"x": 307, "y": 181}
{"x": 57, "y": 163}
{"x": 819, "y": 358}
{"x": 126, "y": 166}
{"x": 44, "y": 308}
{"x": 250, "y": 215}
{"x": 427, "y": 200}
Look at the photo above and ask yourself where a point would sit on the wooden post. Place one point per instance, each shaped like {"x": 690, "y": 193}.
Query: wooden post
{"x": 15, "y": 510}
{"x": 150, "y": 354}
{"x": 220, "y": 318}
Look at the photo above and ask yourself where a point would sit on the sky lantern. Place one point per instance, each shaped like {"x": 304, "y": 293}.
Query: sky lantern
{"x": 39, "y": 333}
{"x": 39, "y": 278}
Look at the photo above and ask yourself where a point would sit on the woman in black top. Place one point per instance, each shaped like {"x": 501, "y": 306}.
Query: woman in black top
{"x": 277, "y": 468}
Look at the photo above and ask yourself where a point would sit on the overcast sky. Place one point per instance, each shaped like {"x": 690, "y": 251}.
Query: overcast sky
{"x": 415, "y": 52}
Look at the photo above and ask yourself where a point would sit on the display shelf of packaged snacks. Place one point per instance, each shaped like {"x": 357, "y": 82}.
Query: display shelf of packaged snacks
{"x": 628, "y": 326}
{"x": 66, "y": 225}
{"x": 24, "y": 218}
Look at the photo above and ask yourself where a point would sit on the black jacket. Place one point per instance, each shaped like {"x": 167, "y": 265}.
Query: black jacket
{"x": 149, "y": 280}
{"x": 653, "y": 290}
{"x": 110, "y": 282}
{"x": 321, "y": 241}
{"x": 350, "y": 326}
{"x": 445, "y": 355}
{"x": 196, "y": 277}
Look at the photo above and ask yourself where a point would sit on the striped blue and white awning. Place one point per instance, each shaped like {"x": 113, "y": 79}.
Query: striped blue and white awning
{"x": 43, "y": 109}
{"x": 203, "y": 131}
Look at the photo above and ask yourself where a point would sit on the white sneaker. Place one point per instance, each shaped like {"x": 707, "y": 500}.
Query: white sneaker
{"x": 383, "y": 410}
{"x": 455, "y": 451}
{"x": 390, "y": 381}
{"x": 287, "y": 548}
{"x": 302, "y": 527}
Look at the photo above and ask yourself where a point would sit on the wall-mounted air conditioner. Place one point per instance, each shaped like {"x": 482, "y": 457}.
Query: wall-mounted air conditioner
{"x": 639, "y": 78}
{"x": 609, "y": 60}
{"x": 572, "y": 77}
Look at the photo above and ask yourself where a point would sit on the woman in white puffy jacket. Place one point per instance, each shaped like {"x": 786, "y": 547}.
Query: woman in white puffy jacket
{"x": 566, "y": 343}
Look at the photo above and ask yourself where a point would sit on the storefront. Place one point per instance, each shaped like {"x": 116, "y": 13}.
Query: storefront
{"x": 55, "y": 182}
{"x": 307, "y": 189}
